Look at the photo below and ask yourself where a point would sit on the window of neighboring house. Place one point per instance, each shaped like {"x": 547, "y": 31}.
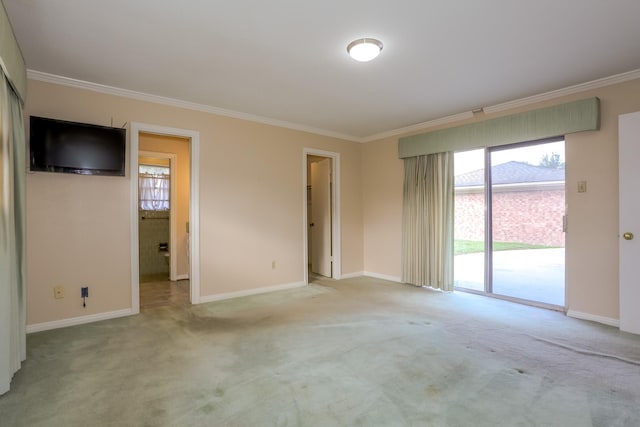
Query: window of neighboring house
{"x": 153, "y": 187}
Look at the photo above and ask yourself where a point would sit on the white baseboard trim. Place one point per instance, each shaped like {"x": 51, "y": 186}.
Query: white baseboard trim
{"x": 352, "y": 275}
{"x": 594, "y": 318}
{"x": 383, "y": 276}
{"x": 182, "y": 277}
{"x": 63, "y": 323}
{"x": 248, "y": 292}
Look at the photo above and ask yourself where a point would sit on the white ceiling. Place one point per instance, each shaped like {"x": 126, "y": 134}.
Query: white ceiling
{"x": 285, "y": 60}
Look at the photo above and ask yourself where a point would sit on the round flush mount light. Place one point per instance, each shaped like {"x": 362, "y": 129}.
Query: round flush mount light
{"x": 365, "y": 49}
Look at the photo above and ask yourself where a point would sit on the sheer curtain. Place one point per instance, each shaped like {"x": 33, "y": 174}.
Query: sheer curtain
{"x": 154, "y": 185}
{"x": 12, "y": 234}
{"x": 427, "y": 221}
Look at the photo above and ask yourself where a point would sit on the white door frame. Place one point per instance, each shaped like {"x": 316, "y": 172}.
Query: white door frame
{"x": 173, "y": 259}
{"x": 335, "y": 212}
{"x": 194, "y": 207}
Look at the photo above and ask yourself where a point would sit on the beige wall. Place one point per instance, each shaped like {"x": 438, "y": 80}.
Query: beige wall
{"x": 153, "y": 161}
{"x": 592, "y": 240}
{"x": 251, "y": 209}
{"x": 78, "y": 227}
{"x": 382, "y": 206}
{"x": 179, "y": 147}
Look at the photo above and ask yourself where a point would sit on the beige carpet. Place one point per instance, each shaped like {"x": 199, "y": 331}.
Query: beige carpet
{"x": 355, "y": 352}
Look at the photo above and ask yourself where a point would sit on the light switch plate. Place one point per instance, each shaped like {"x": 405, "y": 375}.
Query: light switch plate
{"x": 582, "y": 186}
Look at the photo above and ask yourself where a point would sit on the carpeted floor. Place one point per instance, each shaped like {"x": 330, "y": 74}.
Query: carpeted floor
{"x": 353, "y": 352}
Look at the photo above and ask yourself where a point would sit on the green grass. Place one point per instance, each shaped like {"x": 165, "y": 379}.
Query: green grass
{"x": 471, "y": 246}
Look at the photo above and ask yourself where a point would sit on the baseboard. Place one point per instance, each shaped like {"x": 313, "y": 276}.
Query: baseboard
{"x": 382, "y": 276}
{"x": 182, "y": 277}
{"x": 594, "y": 318}
{"x": 352, "y": 275}
{"x": 73, "y": 321}
{"x": 248, "y": 292}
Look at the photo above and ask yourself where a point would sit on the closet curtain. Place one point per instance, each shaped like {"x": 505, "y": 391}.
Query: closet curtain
{"x": 12, "y": 234}
{"x": 427, "y": 221}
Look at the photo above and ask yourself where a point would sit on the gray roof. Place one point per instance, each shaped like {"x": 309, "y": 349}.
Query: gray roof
{"x": 510, "y": 173}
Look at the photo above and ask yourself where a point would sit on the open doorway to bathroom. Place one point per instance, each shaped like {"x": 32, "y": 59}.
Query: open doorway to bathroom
{"x": 187, "y": 219}
{"x": 156, "y": 197}
{"x": 163, "y": 220}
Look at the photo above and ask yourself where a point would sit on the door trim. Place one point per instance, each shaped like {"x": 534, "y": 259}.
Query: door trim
{"x": 194, "y": 207}
{"x": 336, "y": 270}
{"x": 173, "y": 260}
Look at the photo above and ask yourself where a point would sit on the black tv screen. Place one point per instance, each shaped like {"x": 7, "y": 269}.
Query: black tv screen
{"x": 69, "y": 147}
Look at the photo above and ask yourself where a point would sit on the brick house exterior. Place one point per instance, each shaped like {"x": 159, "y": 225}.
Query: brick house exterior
{"x": 520, "y": 192}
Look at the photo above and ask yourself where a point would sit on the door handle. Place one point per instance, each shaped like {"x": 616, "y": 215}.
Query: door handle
{"x": 628, "y": 236}
{"x": 311, "y": 225}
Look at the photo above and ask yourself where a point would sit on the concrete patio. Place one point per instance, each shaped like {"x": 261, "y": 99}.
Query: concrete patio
{"x": 530, "y": 274}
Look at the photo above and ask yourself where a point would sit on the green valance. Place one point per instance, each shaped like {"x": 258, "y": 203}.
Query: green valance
{"x": 11, "y": 59}
{"x": 558, "y": 120}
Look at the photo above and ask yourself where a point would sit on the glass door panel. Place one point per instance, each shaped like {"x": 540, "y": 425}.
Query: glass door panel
{"x": 527, "y": 188}
{"x": 469, "y": 220}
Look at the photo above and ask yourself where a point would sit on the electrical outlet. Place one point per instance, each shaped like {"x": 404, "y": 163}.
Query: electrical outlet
{"x": 84, "y": 294}
{"x": 273, "y": 265}
{"x": 58, "y": 292}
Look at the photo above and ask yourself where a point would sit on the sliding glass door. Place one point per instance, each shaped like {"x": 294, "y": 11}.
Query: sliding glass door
{"x": 516, "y": 203}
{"x": 469, "y": 220}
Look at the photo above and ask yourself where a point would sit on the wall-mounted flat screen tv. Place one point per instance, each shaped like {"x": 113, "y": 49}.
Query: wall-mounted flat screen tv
{"x": 69, "y": 147}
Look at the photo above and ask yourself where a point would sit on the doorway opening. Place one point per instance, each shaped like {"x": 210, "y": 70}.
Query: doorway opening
{"x": 164, "y": 200}
{"x": 157, "y": 216}
{"x": 321, "y": 188}
{"x": 162, "y": 204}
{"x": 510, "y": 222}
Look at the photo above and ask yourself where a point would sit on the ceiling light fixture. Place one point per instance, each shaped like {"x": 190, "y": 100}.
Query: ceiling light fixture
{"x": 364, "y": 50}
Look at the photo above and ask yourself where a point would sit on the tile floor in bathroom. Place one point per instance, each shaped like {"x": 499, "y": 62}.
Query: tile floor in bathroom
{"x": 158, "y": 291}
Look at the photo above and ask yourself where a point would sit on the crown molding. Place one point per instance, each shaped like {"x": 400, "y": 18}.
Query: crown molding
{"x": 582, "y": 87}
{"x": 420, "y": 126}
{"x": 156, "y": 99}
{"x": 522, "y": 102}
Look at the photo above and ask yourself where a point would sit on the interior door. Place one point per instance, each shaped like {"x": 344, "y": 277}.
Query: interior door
{"x": 629, "y": 178}
{"x": 321, "y": 217}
